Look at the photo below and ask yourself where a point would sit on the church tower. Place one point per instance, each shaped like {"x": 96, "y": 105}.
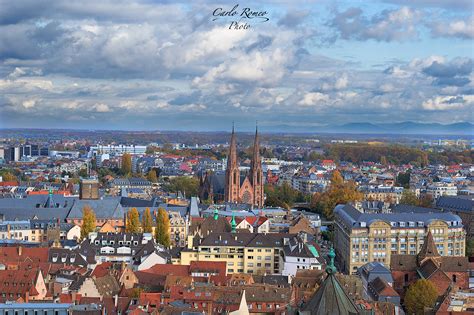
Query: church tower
{"x": 256, "y": 173}
{"x": 232, "y": 173}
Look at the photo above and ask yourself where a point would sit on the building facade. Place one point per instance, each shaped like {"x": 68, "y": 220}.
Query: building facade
{"x": 364, "y": 237}
{"x": 254, "y": 253}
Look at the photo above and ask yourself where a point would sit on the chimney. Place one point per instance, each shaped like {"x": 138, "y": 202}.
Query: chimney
{"x": 116, "y": 300}
{"x": 20, "y": 250}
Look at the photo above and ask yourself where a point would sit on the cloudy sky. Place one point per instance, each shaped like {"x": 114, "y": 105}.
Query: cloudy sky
{"x": 147, "y": 65}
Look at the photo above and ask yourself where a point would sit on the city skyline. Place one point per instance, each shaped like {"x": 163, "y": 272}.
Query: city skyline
{"x": 157, "y": 65}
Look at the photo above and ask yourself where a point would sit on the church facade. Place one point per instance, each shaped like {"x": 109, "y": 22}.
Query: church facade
{"x": 234, "y": 187}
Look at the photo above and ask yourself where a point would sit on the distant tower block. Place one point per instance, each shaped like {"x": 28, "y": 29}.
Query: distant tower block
{"x": 89, "y": 189}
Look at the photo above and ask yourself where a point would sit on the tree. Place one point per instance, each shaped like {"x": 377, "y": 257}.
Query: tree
{"x": 409, "y": 198}
{"x": 82, "y": 172}
{"x": 282, "y": 196}
{"x": 419, "y": 295}
{"x": 403, "y": 179}
{"x": 88, "y": 221}
{"x": 151, "y": 176}
{"x": 147, "y": 221}
{"x": 426, "y": 201}
{"x": 470, "y": 248}
{"x": 186, "y": 185}
{"x": 8, "y": 177}
{"x": 162, "y": 233}
{"x": 339, "y": 192}
{"x": 126, "y": 164}
{"x": 133, "y": 221}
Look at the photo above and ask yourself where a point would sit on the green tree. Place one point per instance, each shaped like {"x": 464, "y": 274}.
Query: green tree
{"x": 403, "y": 179}
{"x": 162, "y": 233}
{"x": 409, "y": 198}
{"x": 470, "y": 248}
{"x": 186, "y": 185}
{"x": 147, "y": 221}
{"x": 338, "y": 192}
{"x": 282, "y": 196}
{"x": 82, "y": 172}
{"x": 151, "y": 176}
{"x": 88, "y": 221}
{"x": 133, "y": 221}
{"x": 419, "y": 295}
{"x": 127, "y": 164}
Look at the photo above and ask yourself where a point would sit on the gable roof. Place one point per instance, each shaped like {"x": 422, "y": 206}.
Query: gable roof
{"x": 382, "y": 288}
{"x": 429, "y": 248}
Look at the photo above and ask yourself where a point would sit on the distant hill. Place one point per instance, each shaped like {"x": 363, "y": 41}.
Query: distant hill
{"x": 408, "y": 127}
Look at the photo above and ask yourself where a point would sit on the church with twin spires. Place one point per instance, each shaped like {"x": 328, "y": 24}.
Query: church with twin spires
{"x": 234, "y": 187}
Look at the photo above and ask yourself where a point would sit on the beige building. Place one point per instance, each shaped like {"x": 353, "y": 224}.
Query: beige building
{"x": 255, "y": 253}
{"x": 365, "y": 237}
{"x": 178, "y": 229}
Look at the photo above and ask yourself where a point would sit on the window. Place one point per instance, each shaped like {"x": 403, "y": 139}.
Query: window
{"x": 406, "y": 277}
{"x": 454, "y": 278}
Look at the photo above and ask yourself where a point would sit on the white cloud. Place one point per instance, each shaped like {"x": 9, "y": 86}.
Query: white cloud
{"x": 463, "y": 28}
{"x": 342, "y": 82}
{"x": 315, "y": 98}
{"x": 101, "y": 108}
{"x": 448, "y": 102}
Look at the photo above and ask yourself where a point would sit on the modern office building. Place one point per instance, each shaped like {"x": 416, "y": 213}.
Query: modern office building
{"x": 365, "y": 237}
{"x": 116, "y": 150}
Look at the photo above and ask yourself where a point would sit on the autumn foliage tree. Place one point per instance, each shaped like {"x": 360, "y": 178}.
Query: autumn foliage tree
{"x": 127, "y": 164}
{"x": 147, "y": 221}
{"x": 88, "y": 221}
{"x": 162, "y": 233}
{"x": 339, "y": 192}
{"x": 282, "y": 196}
{"x": 151, "y": 176}
{"x": 133, "y": 221}
{"x": 420, "y": 295}
{"x": 409, "y": 198}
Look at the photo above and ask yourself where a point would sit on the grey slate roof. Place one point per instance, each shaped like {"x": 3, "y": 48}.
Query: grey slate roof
{"x": 352, "y": 217}
{"x": 109, "y": 207}
{"x": 373, "y": 270}
{"x": 452, "y": 203}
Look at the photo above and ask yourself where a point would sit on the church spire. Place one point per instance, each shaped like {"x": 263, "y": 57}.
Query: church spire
{"x": 232, "y": 176}
{"x": 428, "y": 249}
{"x": 256, "y": 172}
{"x": 233, "y": 223}
{"x": 232, "y": 158}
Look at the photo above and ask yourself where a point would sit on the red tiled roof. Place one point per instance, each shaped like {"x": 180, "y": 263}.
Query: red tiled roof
{"x": 31, "y": 255}
{"x": 218, "y": 267}
{"x": 69, "y": 298}
{"x": 168, "y": 269}
{"x": 102, "y": 269}
{"x": 18, "y": 282}
{"x": 150, "y": 298}
{"x": 46, "y": 192}
{"x": 6, "y": 184}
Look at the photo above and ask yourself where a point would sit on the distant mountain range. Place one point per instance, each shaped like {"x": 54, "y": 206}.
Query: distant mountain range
{"x": 403, "y": 128}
